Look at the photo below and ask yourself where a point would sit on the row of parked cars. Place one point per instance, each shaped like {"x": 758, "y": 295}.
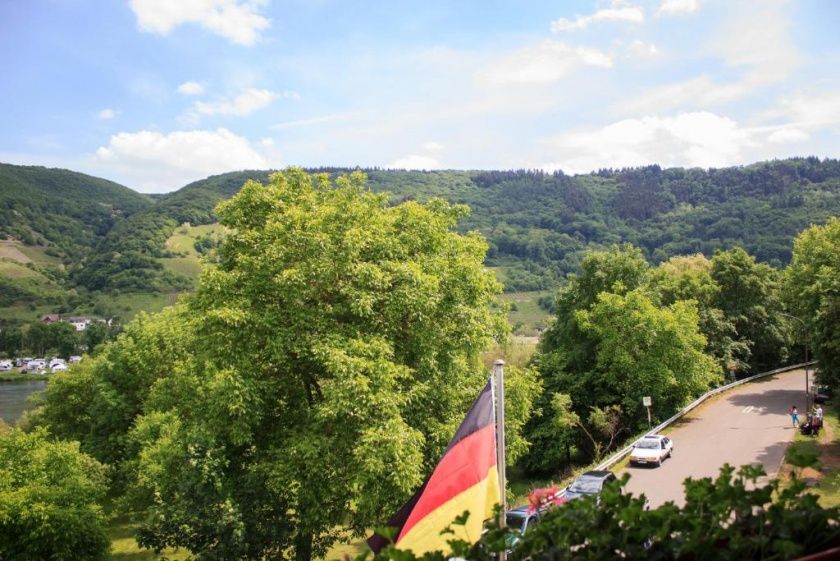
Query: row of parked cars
{"x": 38, "y": 365}
{"x": 650, "y": 450}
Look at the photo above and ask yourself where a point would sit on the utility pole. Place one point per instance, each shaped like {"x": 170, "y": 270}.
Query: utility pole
{"x": 807, "y": 378}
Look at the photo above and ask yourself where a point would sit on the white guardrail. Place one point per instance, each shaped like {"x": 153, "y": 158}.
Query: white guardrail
{"x": 617, "y": 456}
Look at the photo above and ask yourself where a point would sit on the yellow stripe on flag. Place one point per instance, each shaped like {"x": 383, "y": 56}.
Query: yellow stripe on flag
{"x": 479, "y": 500}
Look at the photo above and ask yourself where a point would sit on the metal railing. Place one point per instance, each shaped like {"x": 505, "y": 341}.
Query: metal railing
{"x": 617, "y": 456}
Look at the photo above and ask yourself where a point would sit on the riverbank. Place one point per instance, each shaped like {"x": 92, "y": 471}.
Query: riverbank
{"x": 21, "y": 377}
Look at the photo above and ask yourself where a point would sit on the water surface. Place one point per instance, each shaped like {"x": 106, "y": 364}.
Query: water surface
{"x": 13, "y": 398}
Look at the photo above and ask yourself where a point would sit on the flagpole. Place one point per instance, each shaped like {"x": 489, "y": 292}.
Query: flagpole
{"x": 499, "y": 374}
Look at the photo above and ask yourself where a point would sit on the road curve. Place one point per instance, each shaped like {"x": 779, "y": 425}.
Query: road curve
{"x": 746, "y": 425}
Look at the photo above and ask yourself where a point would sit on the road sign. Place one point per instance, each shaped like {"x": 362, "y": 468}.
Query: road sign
{"x": 646, "y": 401}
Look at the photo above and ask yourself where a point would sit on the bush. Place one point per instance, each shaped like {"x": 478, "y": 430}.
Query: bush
{"x": 48, "y": 500}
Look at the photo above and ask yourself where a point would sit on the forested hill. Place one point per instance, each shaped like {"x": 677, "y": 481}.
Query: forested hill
{"x": 539, "y": 224}
{"x": 61, "y": 212}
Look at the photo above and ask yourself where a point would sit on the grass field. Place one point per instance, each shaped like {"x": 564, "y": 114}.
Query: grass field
{"x": 825, "y": 480}
{"x": 190, "y": 266}
{"x": 124, "y": 547}
{"x": 526, "y": 316}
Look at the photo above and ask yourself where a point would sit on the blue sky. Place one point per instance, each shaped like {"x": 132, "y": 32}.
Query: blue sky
{"x": 156, "y": 93}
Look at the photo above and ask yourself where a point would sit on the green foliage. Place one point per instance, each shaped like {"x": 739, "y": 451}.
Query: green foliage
{"x": 66, "y": 210}
{"x": 49, "y": 494}
{"x": 736, "y": 516}
{"x": 336, "y": 345}
{"x": 749, "y": 296}
{"x": 610, "y": 345}
{"x": 812, "y": 290}
{"x": 690, "y": 278}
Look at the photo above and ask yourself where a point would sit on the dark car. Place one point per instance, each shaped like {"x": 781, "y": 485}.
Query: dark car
{"x": 822, "y": 393}
{"x": 590, "y": 483}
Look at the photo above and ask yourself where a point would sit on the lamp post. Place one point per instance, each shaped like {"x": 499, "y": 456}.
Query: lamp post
{"x": 807, "y": 380}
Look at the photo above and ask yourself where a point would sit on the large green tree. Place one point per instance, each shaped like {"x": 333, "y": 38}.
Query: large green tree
{"x": 49, "y": 500}
{"x": 812, "y": 288}
{"x": 689, "y": 277}
{"x": 311, "y": 382}
{"x": 750, "y": 298}
{"x": 611, "y": 344}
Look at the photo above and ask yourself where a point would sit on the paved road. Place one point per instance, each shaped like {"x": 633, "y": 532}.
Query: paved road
{"x": 747, "y": 425}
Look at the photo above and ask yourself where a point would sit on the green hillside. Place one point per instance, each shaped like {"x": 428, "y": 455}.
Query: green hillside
{"x": 65, "y": 213}
{"x": 538, "y": 224}
{"x": 102, "y": 238}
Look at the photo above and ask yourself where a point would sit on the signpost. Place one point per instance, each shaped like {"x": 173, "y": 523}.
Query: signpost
{"x": 647, "y": 402}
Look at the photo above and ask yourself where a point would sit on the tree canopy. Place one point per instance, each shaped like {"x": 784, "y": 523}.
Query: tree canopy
{"x": 335, "y": 346}
{"x": 49, "y": 500}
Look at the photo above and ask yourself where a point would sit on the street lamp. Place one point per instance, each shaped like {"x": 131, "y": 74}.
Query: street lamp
{"x": 807, "y": 381}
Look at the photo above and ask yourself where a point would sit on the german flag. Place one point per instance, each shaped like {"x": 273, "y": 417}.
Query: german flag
{"x": 465, "y": 479}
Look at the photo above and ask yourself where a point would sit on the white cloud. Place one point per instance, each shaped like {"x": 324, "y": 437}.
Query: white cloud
{"x": 810, "y": 109}
{"x": 544, "y": 63}
{"x": 688, "y": 139}
{"x": 414, "y": 161}
{"x": 106, "y": 114}
{"x": 432, "y": 146}
{"x": 756, "y": 41}
{"x": 156, "y": 162}
{"x": 312, "y": 121}
{"x": 641, "y": 49}
{"x": 245, "y": 103}
{"x": 630, "y": 14}
{"x": 677, "y": 7}
{"x": 191, "y": 88}
{"x": 237, "y": 21}
{"x": 788, "y": 136}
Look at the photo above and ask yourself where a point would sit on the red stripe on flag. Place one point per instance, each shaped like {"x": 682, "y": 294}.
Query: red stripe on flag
{"x": 464, "y": 465}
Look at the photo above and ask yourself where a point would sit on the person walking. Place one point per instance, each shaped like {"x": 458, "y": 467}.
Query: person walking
{"x": 819, "y": 413}
{"x": 794, "y": 415}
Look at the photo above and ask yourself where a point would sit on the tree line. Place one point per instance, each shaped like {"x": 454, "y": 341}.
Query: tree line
{"x": 306, "y": 388}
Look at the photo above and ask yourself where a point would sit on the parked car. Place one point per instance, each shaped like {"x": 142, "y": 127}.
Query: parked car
{"x": 590, "y": 483}
{"x": 56, "y": 361}
{"x": 58, "y": 367}
{"x": 822, "y": 393}
{"x": 35, "y": 366}
{"x": 5, "y": 365}
{"x": 74, "y": 359}
{"x": 651, "y": 450}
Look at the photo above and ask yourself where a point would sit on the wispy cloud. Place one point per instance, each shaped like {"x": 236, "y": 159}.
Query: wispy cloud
{"x": 677, "y": 7}
{"x": 191, "y": 88}
{"x": 627, "y": 14}
{"x": 106, "y": 114}
{"x": 237, "y": 21}
{"x": 321, "y": 119}
{"x": 543, "y": 63}
{"x": 247, "y": 102}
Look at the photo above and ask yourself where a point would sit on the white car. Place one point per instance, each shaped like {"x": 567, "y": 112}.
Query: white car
{"x": 652, "y": 449}
{"x": 5, "y": 365}
{"x": 58, "y": 367}
{"x": 57, "y": 361}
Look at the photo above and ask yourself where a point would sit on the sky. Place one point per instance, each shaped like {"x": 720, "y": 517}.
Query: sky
{"x": 155, "y": 94}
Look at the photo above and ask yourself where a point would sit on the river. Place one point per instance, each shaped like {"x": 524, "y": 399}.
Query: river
{"x": 13, "y": 398}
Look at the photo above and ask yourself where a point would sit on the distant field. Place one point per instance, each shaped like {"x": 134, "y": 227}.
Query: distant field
{"x": 17, "y": 251}
{"x": 190, "y": 266}
{"x": 10, "y": 250}
{"x": 183, "y": 242}
{"x": 128, "y": 305}
{"x": 526, "y": 317}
